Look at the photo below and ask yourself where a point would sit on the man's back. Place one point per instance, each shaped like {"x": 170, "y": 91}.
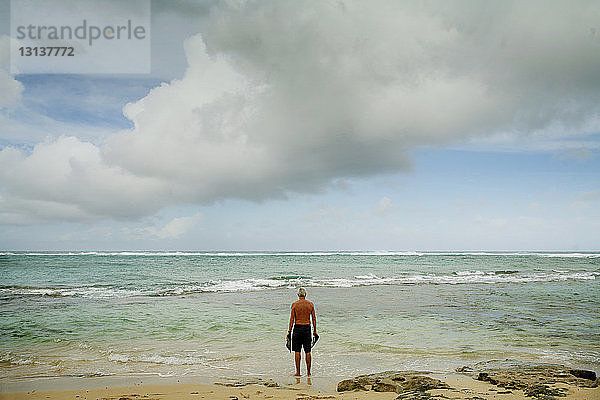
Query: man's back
{"x": 300, "y": 319}
{"x": 302, "y": 310}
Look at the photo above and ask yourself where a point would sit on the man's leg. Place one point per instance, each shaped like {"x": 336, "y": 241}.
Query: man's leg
{"x": 308, "y": 360}
{"x": 297, "y": 357}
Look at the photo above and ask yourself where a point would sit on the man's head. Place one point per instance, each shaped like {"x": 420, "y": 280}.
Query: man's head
{"x": 302, "y": 293}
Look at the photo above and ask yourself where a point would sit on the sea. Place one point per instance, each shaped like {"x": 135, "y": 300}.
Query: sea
{"x": 225, "y": 314}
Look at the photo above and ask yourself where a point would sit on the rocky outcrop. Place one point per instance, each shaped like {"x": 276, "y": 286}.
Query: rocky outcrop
{"x": 535, "y": 380}
{"x": 582, "y": 373}
{"x": 248, "y": 381}
{"x": 393, "y": 381}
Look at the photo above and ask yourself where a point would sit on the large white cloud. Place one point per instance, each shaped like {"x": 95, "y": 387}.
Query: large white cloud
{"x": 67, "y": 179}
{"x": 287, "y": 96}
{"x": 10, "y": 89}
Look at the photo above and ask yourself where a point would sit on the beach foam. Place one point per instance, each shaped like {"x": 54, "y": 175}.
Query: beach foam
{"x": 255, "y": 284}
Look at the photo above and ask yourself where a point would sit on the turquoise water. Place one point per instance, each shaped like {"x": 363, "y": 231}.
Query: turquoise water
{"x": 226, "y": 314}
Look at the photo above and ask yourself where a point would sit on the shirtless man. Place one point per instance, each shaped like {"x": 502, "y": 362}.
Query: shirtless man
{"x": 300, "y": 315}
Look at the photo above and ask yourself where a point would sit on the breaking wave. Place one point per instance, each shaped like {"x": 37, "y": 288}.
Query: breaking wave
{"x": 292, "y": 281}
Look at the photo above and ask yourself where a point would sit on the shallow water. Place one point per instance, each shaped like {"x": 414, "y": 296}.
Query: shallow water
{"x": 226, "y": 314}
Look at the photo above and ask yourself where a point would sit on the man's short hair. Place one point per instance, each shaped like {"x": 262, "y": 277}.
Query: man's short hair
{"x": 302, "y": 292}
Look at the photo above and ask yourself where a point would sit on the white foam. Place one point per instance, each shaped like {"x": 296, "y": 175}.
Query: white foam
{"x": 243, "y": 285}
{"x": 85, "y": 291}
{"x": 465, "y": 278}
{"x": 123, "y": 358}
{"x": 467, "y": 273}
{"x": 256, "y": 284}
{"x": 369, "y": 276}
{"x": 170, "y": 360}
{"x": 571, "y": 255}
{"x": 9, "y": 357}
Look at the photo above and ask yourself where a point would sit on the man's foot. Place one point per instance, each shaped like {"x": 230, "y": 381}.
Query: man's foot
{"x": 297, "y": 374}
{"x": 308, "y": 374}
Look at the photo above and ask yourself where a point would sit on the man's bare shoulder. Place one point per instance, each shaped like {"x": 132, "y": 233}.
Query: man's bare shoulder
{"x": 302, "y": 302}
{"x": 305, "y": 303}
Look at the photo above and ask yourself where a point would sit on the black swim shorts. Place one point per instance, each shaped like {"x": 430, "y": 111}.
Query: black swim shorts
{"x": 301, "y": 337}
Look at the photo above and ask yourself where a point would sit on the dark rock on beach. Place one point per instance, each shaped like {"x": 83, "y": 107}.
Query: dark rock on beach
{"x": 349, "y": 385}
{"x": 582, "y": 373}
{"x": 535, "y": 380}
{"x": 520, "y": 377}
{"x": 543, "y": 391}
{"x": 410, "y": 383}
{"x": 248, "y": 381}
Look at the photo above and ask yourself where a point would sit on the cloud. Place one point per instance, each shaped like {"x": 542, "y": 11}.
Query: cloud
{"x": 589, "y": 196}
{"x": 178, "y": 227}
{"x": 491, "y": 222}
{"x": 286, "y": 96}
{"x": 384, "y": 207}
{"x": 68, "y": 180}
{"x": 581, "y": 154}
{"x": 10, "y": 89}
{"x": 329, "y": 214}
{"x": 174, "y": 229}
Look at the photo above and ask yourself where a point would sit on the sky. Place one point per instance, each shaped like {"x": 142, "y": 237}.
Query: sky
{"x": 316, "y": 125}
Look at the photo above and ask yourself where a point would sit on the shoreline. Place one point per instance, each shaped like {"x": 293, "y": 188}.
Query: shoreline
{"x": 526, "y": 381}
{"x": 78, "y": 383}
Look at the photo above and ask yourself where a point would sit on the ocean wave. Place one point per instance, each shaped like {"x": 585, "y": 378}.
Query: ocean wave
{"x": 469, "y": 273}
{"x": 155, "y": 359}
{"x": 257, "y": 284}
{"x": 307, "y": 253}
{"x": 570, "y": 255}
{"x": 9, "y": 358}
{"x": 288, "y": 277}
{"x": 175, "y": 360}
{"x": 82, "y": 291}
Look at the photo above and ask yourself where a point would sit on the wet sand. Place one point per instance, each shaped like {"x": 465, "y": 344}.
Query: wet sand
{"x": 453, "y": 386}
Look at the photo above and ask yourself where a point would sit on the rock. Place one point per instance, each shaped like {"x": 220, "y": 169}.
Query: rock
{"x": 484, "y": 376}
{"x": 393, "y": 381}
{"x": 465, "y": 368}
{"x": 384, "y": 387}
{"x": 248, "y": 381}
{"x": 543, "y": 391}
{"x": 534, "y": 379}
{"x": 414, "y": 396}
{"x": 582, "y": 373}
{"x": 349, "y": 385}
{"x": 423, "y": 383}
{"x": 231, "y": 384}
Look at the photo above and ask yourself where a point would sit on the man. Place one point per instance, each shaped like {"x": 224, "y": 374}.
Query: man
{"x": 300, "y": 316}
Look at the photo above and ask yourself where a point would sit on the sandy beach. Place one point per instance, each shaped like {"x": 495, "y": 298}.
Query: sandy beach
{"x": 194, "y": 391}
{"x": 540, "y": 382}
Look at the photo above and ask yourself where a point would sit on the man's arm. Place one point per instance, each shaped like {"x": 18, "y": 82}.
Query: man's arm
{"x": 292, "y": 315}
{"x": 314, "y": 320}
